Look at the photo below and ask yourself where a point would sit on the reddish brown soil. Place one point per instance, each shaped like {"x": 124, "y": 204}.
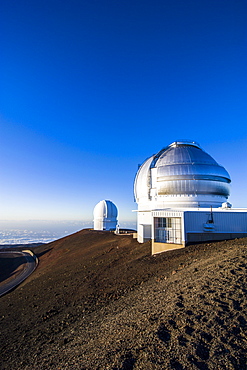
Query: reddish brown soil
{"x": 101, "y": 301}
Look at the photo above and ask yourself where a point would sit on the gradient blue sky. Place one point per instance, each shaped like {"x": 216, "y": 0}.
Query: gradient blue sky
{"x": 89, "y": 89}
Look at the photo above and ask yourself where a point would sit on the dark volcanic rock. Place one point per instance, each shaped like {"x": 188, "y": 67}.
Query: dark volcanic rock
{"x": 100, "y": 301}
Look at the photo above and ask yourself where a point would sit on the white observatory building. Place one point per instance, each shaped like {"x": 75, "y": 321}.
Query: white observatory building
{"x": 105, "y": 215}
{"x": 182, "y": 195}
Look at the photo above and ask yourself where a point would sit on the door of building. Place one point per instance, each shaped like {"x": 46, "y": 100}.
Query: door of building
{"x": 168, "y": 230}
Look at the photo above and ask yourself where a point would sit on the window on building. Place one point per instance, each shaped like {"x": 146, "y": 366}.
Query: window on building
{"x": 168, "y": 230}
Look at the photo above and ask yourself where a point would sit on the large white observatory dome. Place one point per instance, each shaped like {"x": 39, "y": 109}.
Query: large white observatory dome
{"x": 181, "y": 175}
{"x": 105, "y": 215}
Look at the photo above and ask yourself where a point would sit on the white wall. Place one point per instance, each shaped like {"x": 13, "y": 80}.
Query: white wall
{"x": 144, "y": 231}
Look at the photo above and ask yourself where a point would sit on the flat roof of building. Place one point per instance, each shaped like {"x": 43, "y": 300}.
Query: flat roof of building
{"x": 198, "y": 209}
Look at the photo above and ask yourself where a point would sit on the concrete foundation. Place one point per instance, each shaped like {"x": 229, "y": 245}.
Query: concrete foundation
{"x": 164, "y": 247}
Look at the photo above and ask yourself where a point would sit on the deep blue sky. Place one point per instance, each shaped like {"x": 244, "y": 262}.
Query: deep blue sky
{"x": 90, "y": 88}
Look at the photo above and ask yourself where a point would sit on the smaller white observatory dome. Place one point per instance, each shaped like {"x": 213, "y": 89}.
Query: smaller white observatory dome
{"x": 105, "y": 215}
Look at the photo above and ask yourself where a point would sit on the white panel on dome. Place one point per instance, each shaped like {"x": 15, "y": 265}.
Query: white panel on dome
{"x": 142, "y": 180}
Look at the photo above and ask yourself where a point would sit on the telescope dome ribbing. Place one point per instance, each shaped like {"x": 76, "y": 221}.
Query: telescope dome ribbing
{"x": 182, "y": 174}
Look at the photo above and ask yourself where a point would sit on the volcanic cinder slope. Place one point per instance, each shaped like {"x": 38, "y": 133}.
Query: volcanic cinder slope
{"x": 101, "y": 301}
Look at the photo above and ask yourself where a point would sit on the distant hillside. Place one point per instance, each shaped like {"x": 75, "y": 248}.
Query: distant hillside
{"x": 101, "y": 301}
{"x": 18, "y": 246}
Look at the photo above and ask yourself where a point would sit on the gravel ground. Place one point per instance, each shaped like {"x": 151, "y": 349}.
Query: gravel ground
{"x": 100, "y": 301}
